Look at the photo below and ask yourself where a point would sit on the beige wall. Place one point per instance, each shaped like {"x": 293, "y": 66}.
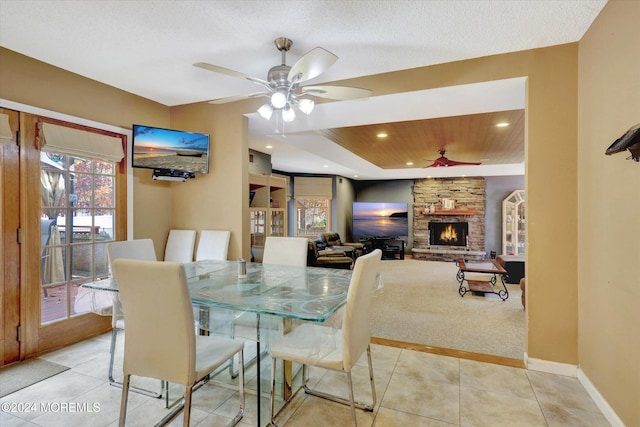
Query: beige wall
{"x": 609, "y": 209}
{"x": 218, "y": 200}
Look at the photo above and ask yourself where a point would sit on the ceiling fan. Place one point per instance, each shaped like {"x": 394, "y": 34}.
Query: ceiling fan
{"x": 283, "y": 83}
{"x": 443, "y": 161}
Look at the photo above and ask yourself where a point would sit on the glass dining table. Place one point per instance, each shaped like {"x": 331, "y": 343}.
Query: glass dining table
{"x": 268, "y": 292}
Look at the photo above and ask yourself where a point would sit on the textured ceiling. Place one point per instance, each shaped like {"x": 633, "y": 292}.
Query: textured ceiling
{"x": 148, "y": 47}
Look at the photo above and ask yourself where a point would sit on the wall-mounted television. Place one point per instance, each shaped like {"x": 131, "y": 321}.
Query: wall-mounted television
{"x": 169, "y": 150}
{"x": 380, "y": 219}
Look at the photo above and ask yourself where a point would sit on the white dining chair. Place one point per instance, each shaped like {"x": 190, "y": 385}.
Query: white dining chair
{"x": 141, "y": 249}
{"x": 277, "y": 251}
{"x": 324, "y": 347}
{"x": 213, "y": 244}
{"x": 169, "y": 350}
{"x": 179, "y": 247}
{"x": 285, "y": 251}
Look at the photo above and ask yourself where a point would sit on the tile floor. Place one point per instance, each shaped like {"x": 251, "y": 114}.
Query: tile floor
{"x": 414, "y": 389}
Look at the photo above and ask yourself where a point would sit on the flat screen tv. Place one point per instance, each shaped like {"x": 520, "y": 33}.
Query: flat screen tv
{"x": 379, "y": 219}
{"x": 169, "y": 149}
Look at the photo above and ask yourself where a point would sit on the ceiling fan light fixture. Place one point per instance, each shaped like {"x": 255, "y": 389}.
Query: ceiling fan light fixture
{"x": 306, "y": 105}
{"x": 288, "y": 115}
{"x": 279, "y": 99}
{"x": 265, "y": 111}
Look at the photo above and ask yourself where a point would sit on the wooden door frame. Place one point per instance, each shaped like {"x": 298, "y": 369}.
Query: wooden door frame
{"x": 36, "y": 338}
{"x": 9, "y": 245}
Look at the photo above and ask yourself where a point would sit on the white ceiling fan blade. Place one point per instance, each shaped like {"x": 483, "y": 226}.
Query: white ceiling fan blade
{"x": 338, "y": 93}
{"x": 312, "y": 64}
{"x": 228, "y": 72}
{"x": 239, "y": 98}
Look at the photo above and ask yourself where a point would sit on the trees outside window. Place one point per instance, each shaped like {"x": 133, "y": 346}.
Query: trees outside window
{"x": 77, "y": 221}
{"x": 313, "y": 216}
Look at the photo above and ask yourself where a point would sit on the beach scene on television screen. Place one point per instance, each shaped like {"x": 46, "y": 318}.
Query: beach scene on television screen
{"x": 169, "y": 149}
{"x": 375, "y": 219}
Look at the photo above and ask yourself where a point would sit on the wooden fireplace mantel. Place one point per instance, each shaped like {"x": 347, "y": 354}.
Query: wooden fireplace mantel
{"x": 448, "y": 212}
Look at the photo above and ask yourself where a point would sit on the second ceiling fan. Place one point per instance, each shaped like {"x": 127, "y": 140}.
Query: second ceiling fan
{"x": 442, "y": 161}
{"x": 283, "y": 83}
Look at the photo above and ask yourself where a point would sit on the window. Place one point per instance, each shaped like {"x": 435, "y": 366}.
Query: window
{"x": 77, "y": 220}
{"x": 313, "y": 216}
{"x": 312, "y": 205}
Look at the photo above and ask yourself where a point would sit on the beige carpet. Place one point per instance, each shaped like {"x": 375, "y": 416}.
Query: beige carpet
{"x": 420, "y": 304}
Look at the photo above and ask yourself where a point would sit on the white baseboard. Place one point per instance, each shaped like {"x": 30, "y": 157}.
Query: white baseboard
{"x": 574, "y": 371}
{"x": 551, "y": 367}
{"x": 599, "y": 400}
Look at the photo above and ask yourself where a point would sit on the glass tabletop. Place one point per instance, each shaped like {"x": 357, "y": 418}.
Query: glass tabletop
{"x": 487, "y": 266}
{"x": 304, "y": 293}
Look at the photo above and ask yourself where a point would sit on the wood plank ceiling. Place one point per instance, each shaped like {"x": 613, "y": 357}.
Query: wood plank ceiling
{"x": 468, "y": 138}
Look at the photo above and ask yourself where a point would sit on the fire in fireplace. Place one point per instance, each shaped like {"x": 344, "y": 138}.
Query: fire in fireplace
{"x": 448, "y": 233}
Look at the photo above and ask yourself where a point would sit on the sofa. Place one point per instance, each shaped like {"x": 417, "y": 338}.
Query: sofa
{"x": 333, "y": 239}
{"x": 327, "y": 258}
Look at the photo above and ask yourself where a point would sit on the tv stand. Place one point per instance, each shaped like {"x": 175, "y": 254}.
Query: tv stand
{"x": 391, "y": 247}
{"x": 172, "y": 175}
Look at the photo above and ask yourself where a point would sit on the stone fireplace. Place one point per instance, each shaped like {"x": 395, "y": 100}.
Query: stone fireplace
{"x": 448, "y": 234}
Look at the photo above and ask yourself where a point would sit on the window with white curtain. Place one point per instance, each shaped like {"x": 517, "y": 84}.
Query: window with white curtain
{"x": 312, "y": 196}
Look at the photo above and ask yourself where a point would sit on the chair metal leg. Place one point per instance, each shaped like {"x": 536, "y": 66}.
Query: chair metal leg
{"x": 359, "y": 405}
{"x": 123, "y": 401}
{"x": 371, "y": 380}
{"x": 187, "y": 407}
{"x": 114, "y": 383}
{"x": 273, "y": 393}
{"x": 351, "y": 400}
{"x": 240, "y": 413}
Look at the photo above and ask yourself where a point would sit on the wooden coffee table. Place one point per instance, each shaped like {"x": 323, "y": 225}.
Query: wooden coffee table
{"x": 490, "y": 267}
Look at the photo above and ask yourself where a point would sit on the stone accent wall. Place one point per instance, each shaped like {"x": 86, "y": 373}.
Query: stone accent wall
{"x": 469, "y": 195}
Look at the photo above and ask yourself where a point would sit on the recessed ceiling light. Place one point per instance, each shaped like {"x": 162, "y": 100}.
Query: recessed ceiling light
{"x": 409, "y": 163}
{"x": 269, "y": 146}
{"x": 325, "y": 166}
{"x": 382, "y": 135}
{"x": 355, "y": 176}
{"x": 502, "y": 124}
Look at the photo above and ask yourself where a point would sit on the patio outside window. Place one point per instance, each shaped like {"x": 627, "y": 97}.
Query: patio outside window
{"x": 77, "y": 221}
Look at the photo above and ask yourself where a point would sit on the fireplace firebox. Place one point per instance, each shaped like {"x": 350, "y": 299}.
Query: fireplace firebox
{"x": 448, "y": 233}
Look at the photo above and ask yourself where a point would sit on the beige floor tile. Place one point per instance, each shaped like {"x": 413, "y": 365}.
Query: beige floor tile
{"x": 481, "y": 408}
{"x": 77, "y": 354}
{"x": 414, "y": 389}
{"x": 64, "y": 387}
{"x": 8, "y": 420}
{"x": 428, "y": 398}
{"x": 561, "y": 390}
{"x": 429, "y": 366}
{"x": 383, "y": 357}
{"x": 496, "y": 378}
{"x": 558, "y": 416}
{"x": 390, "y": 418}
{"x": 334, "y": 382}
{"x": 315, "y": 411}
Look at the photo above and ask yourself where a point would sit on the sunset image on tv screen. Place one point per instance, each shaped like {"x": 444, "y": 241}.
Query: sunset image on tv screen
{"x": 378, "y": 219}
